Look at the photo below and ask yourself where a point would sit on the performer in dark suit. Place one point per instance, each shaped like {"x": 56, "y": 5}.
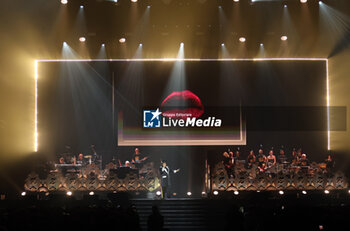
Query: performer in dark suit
{"x": 166, "y": 178}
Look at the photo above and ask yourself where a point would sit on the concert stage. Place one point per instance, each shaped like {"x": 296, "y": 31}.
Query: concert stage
{"x": 174, "y": 114}
{"x": 147, "y": 183}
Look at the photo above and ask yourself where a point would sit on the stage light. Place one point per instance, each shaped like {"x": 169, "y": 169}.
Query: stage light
{"x": 158, "y": 193}
{"x": 326, "y": 191}
{"x": 261, "y": 44}
{"x": 140, "y": 44}
{"x": 64, "y": 1}
{"x": 69, "y": 193}
{"x": 320, "y": 2}
{"x": 284, "y": 38}
{"x": 148, "y": 7}
{"x": 91, "y": 193}
{"x": 236, "y": 0}
{"x": 203, "y": 193}
{"x": 215, "y": 193}
{"x": 258, "y": 191}
{"x": 81, "y": 7}
{"x": 285, "y": 6}
{"x": 82, "y": 39}
{"x": 23, "y": 194}
{"x": 115, "y": 1}
{"x": 349, "y": 191}
{"x": 242, "y": 39}
{"x": 181, "y": 44}
{"x": 133, "y": 0}
{"x": 236, "y": 192}
{"x": 222, "y": 44}
{"x": 303, "y": 1}
{"x": 219, "y": 7}
{"x": 103, "y": 44}
{"x": 304, "y": 192}
{"x": 189, "y": 193}
{"x": 281, "y": 192}
{"x": 122, "y": 40}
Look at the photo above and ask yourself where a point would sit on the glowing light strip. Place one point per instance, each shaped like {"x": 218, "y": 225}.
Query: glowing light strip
{"x": 328, "y": 122}
{"x": 36, "y": 106}
{"x": 174, "y": 59}
{"x": 185, "y": 59}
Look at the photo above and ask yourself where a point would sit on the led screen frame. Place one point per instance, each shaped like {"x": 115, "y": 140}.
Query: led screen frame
{"x": 36, "y": 68}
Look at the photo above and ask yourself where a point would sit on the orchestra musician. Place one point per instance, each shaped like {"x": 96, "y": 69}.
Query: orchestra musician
{"x": 250, "y": 160}
{"x": 262, "y": 168}
{"x": 61, "y": 160}
{"x": 304, "y": 163}
{"x": 261, "y": 158}
{"x": 127, "y": 164}
{"x": 282, "y": 158}
{"x": 271, "y": 162}
{"x": 299, "y": 154}
{"x": 81, "y": 160}
{"x": 236, "y": 155}
{"x": 271, "y": 159}
{"x": 295, "y": 158}
{"x": 329, "y": 165}
{"x": 229, "y": 162}
{"x": 137, "y": 159}
{"x": 165, "y": 174}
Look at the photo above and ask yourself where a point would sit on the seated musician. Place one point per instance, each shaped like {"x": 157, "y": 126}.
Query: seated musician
{"x": 262, "y": 168}
{"x": 236, "y": 154}
{"x": 229, "y": 163}
{"x": 329, "y": 164}
{"x": 282, "y": 158}
{"x": 299, "y": 154}
{"x": 127, "y": 164}
{"x": 261, "y": 158}
{"x": 61, "y": 161}
{"x": 81, "y": 160}
{"x": 60, "y": 168}
{"x": 250, "y": 160}
{"x": 295, "y": 158}
{"x": 271, "y": 162}
{"x": 304, "y": 163}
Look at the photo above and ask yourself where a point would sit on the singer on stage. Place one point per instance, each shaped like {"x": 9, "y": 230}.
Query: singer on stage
{"x": 166, "y": 178}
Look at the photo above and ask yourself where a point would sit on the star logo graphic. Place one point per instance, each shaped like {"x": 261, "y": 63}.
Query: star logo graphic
{"x": 156, "y": 114}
